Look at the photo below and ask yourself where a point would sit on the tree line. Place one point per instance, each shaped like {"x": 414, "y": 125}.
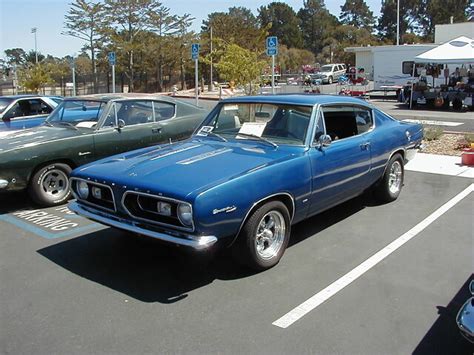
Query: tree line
{"x": 152, "y": 45}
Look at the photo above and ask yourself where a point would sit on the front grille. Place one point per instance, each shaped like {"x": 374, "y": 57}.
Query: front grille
{"x": 144, "y": 207}
{"x": 104, "y": 198}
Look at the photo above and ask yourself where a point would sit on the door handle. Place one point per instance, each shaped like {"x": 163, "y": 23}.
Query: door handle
{"x": 155, "y": 130}
{"x": 365, "y": 146}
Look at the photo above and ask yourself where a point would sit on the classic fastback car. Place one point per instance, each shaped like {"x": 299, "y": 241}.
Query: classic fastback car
{"x": 254, "y": 167}
{"x": 84, "y": 129}
{"x": 25, "y": 111}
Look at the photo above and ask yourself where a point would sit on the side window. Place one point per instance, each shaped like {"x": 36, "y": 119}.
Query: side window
{"x": 319, "y": 131}
{"x": 407, "y": 67}
{"x": 45, "y": 108}
{"x": 110, "y": 119}
{"x": 340, "y": 122}
{"x": 363, "y": 119}
{"x": 134, "y": 112}
{"x": 14, "y": 111}
{"x": 163, "y": 110}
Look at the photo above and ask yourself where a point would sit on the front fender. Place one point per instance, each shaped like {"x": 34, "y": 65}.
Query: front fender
{"x": 222, "y": 210}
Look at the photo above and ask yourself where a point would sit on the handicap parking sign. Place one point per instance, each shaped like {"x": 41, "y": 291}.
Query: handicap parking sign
{"x": 112, "y": 58}
{"x": 272, "y": 45}
{"x": 195, "y": 51}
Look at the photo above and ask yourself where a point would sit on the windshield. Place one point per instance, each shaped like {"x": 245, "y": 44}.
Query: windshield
{"x": 80, "y": 113}
{"x": 4, "y": 103}
{"x": 277, "y": 123}
{"x": 326, "y": 68}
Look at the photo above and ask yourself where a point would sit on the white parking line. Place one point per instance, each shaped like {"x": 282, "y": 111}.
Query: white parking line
{"x": 435, "y": 123}
{"x": 322, "y": 296}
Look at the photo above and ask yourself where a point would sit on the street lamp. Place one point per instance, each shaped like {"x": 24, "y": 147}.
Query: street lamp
{"x": 398, "y": 22}
{"x": 33, "y": 30}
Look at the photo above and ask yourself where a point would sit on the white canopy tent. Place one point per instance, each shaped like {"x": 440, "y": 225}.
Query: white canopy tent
{"x": 456, "y": 51}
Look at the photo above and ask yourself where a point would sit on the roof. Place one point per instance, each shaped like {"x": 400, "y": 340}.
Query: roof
{"x": 299, "y": 99}
{"x": 119, "y": 96}
{"x": 457, "y": 51}
{"x": 389, "y": 48}
{"x": 14, "y": 97}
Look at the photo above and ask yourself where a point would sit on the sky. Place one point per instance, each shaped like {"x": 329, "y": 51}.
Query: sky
{"x": 17, "y": 17}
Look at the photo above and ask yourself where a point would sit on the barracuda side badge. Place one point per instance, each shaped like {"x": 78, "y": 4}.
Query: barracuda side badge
{"x": 227, "y": 209}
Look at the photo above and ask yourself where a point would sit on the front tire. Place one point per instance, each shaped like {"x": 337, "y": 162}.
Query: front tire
{"x": 49, "y": 186}
{"x": 264, "y": 237}
{"x": 330, "y": 80}
{"x": 391, "y": 184}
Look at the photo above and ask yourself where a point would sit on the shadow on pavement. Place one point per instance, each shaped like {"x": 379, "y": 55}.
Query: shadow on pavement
{"x": 443, "y": 336}
{"x": 15, "y": 201}
{"x": 150, "y": 271}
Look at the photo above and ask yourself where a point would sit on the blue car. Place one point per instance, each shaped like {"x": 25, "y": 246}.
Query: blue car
{"x": 253, "y": 168}
{"x": 25, "y": 111}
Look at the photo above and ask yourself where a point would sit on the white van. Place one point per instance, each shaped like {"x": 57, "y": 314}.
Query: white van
{"x": 329, "y": 73}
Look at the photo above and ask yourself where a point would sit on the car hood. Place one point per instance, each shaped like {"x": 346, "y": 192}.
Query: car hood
{"x": 186, "y": 168}
{"x": 24, "y": 138}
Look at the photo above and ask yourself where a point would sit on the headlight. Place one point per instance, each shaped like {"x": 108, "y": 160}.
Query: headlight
{"x": 185, "y": 214}
{"x": 163, "y": 208}
{"x": 82, "y": 190}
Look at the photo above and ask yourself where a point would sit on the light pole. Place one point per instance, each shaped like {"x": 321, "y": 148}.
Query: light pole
{"x": 33, "y": 30}
{"x": 211, "y": 84}
{"x": 398, "y": 22}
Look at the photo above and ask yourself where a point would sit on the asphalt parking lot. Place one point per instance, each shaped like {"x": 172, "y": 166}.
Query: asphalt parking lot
{"x": 71, "y": 286}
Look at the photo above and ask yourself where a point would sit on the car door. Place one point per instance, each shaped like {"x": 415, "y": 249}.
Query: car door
{"x": 127, "y": 125}
{"x": 340, "y": 170}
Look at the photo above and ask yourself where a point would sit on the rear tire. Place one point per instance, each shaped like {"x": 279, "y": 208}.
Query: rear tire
{"x": 264, "y": 237}
{"x": 390, "y": 186}
{"x": 49, "y": 186}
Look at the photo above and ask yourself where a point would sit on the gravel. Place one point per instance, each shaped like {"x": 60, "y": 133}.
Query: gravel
{"x": 446, "y": 144}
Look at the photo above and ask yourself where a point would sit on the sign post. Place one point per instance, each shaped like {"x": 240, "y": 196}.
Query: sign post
{"x": 272, "y": 51}
{"x": 195, "y": 57}
{"x": 112, "y": 63}
{"x": 72, "y": 63}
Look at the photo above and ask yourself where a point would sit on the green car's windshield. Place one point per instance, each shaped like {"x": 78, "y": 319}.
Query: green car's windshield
{"x": 79, "y": 113}
{"x": 273, "y": 123}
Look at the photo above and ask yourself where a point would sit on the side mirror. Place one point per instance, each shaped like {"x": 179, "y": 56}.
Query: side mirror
{"x": 471, "y": 287}
{"x": 323, "y": 141}
{"x": 121, "y": 124}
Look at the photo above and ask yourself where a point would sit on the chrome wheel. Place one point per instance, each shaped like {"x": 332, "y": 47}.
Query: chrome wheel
{"x": 395, "y": 177}
{"x": 270, "y": 235}
{"x": 55, "y": 183}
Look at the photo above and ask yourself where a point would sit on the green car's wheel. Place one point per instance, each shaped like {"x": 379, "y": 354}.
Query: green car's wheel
{"x": 264, "y": 237}
{"x": 50, "y": 185}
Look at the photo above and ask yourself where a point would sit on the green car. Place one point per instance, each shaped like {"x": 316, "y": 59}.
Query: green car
{"x": 84, "y": 129}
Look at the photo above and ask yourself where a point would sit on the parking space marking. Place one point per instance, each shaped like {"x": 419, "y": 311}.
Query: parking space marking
{"x": 322, "y": 296}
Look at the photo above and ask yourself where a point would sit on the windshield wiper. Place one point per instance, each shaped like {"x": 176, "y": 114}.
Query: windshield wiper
{"x": 258, "y": 137}
{"x": 67, "y": 124}
{"x": 47, "y": 123}
{"x": 217, "y": 135}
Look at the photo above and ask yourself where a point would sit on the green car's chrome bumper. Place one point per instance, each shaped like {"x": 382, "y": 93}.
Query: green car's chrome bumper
{"x": 195, "y": 242}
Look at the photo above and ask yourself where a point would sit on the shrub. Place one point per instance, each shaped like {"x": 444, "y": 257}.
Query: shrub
{"x": 432, "y": 133}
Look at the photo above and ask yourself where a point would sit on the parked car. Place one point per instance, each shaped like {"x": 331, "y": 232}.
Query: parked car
{"x": 25, "y": 111}
{"x": 84, "y": 129}
{"x": 330, "y": 73}
{"x": 465, "y": 317}
{"x": 255, "y": 166}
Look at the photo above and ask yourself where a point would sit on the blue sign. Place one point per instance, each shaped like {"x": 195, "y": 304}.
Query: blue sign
{"x": 272, "y": 45}
{"x": 111, "y": 58}
{"x": 195, "y": 51}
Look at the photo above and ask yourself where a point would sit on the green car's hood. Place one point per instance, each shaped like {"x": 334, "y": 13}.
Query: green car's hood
{"x": 34, "y": 136}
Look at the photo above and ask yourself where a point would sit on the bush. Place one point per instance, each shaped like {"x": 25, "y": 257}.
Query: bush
{"x": 469, "y": 137}
{"x": 432, "y": 133}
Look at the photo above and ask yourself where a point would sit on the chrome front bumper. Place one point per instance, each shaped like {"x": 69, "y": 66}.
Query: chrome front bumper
{"x": 465, "y": 320}
{"x": 195, "y": 242}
